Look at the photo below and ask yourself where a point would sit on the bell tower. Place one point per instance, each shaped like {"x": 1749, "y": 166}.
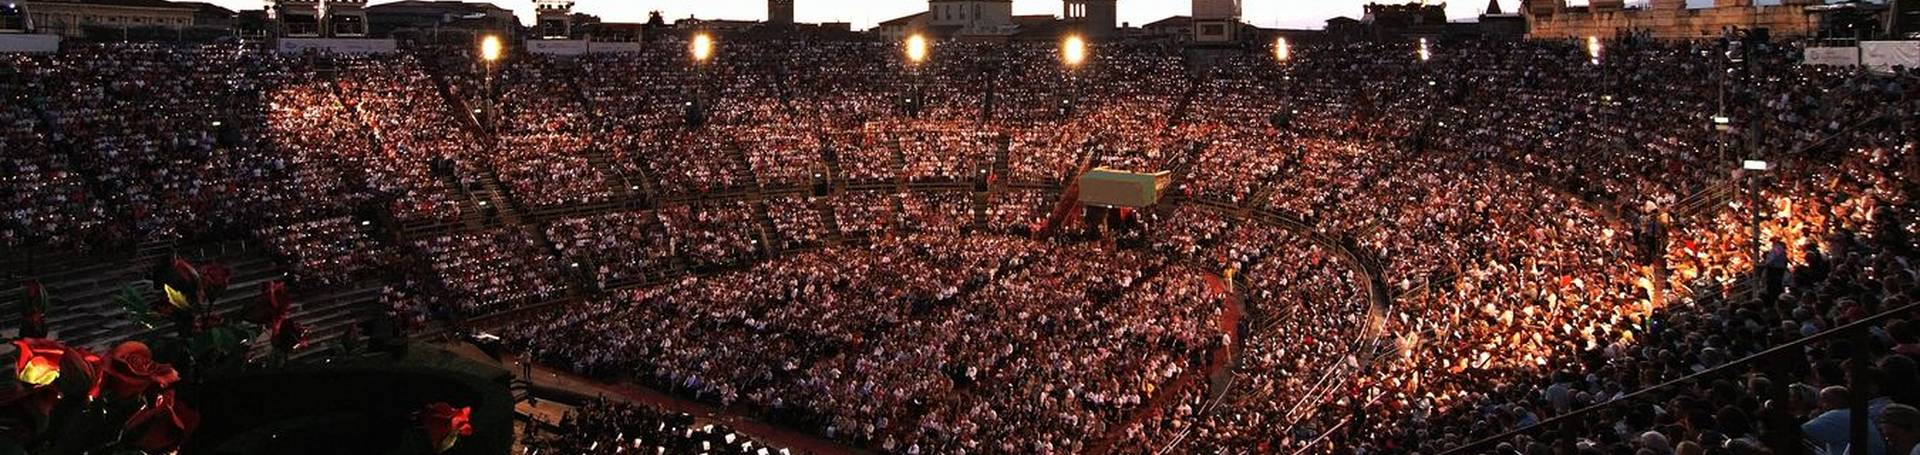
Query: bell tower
{"x": 1095, "y": 18}
{"x": 1216, "y": 21}
{"x": 780, "y": 12}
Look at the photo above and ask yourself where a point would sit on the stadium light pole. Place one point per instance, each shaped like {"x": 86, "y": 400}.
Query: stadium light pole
{"x": 916, "y": 48}
{"x": 1594, "y": 49}
{"x": 1754, "y": 168}
{"x": 1073, "y": 52}
{"x": 701, "y": 49}
{"x": 490, "y": 49}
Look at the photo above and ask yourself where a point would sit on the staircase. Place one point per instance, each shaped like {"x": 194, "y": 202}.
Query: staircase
{"x": 899, "y": 165}
{"x": 1002, "y": 159}
{"x": 1062, "y": 214}
{"x": 86, "y": 311}
{"x": 770, "y": 237}
{"x": 742, "y": 169}
{"x": 829, "y": 220}
{"x": 492, "y": 193}
{"x": 980, "y": 209}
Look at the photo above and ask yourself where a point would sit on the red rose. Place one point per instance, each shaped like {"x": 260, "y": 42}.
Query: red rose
{"x": 181, "y": 274}
{"x": 272, "y": 306}
{"x": 162, "y": 426}
{"x": 445, "y": 425}
{"x": 39, "y": 361}
{"x": 131, "y": 370}
{"x": 288, "y": 335}
{"x": 214, "y": 279}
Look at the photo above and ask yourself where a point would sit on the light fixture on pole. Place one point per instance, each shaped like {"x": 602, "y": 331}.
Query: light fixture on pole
{"x": 702, "y": 47}
{"x": 490, "y": 49}
{"x": 1281, "y": 50}
{"x": 1594, "y": 49}
{"x": 916, "y": 55}
{"x": 1425, "y": 53}
{"x": 917, "y": 49}
{"x": 1074, "y": 50}
{"x": 1754, "y": 168}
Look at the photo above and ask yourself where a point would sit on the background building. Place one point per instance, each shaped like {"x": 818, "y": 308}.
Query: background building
{"x": 780, "y": 12}
{"x": 553, "y": 19}
{"x": 1667, "y": 19}
{"x": 13, "y": 18}
{"x": 973, "y": 17}
{"x": 1093, "y": 18}
{"x": 1216, "y": 22}
{"x": 346, "y": 18}
{"x": 125, "y": 18}
{"x": 452, "y": 21}
{"x": 296, "y": 17}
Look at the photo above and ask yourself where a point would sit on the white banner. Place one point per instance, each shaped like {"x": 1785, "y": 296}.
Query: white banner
{"x": 613, "y": 47}
{"x": 337, "y": 45}
{"x": 1884, "y": 55}
{"x": 1833, "y": 56}
{"x": 579, "y": 47}
{"x": 22, "y": 43}
{"x": 557, "y": 47}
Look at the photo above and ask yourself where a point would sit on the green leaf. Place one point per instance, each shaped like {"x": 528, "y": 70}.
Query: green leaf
{"x": 136, "y": 307}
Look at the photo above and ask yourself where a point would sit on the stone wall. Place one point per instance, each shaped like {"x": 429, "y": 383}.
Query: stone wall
{"x": 71, "y": 19}
{"x": 1781, "y": 20}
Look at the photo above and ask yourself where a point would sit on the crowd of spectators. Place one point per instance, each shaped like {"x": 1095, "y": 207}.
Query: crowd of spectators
{"x": 324, "y": 251}
{"x": 604, "y": 427}
{"x": 713, "y": 235}
{"x": 797, "y": 222}
{"x": 491, "y": 270}
{"x": 1551, "y": 229}
{"x": 1020, "y": 212}
{"x": 619, "y": 248}
{"x": 47, "y": 199}
{"x": 929, "y": 342}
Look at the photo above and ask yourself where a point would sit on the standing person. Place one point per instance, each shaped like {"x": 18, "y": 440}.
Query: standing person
{"x": 1776, "y": 270}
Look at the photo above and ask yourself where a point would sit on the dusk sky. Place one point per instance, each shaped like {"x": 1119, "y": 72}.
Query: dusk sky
{"x": 865, "y": 13}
